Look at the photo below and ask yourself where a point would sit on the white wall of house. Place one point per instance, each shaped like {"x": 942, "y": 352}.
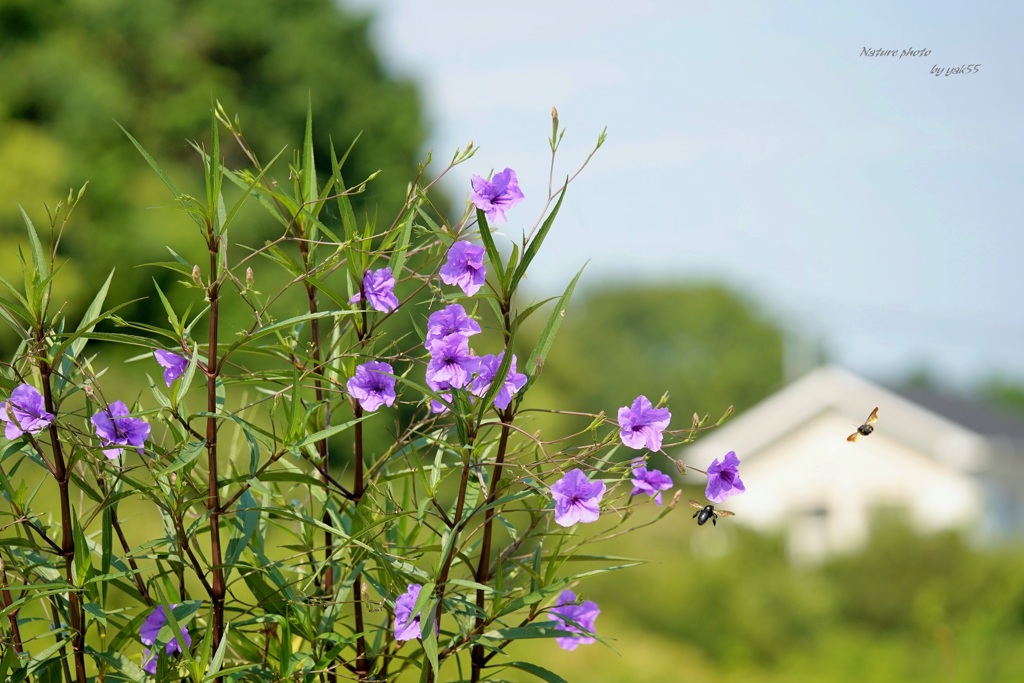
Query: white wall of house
{"x": 804, "y": 478}
{"x": 823, "y": 490}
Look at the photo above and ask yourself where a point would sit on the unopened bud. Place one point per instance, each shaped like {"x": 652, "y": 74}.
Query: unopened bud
{"x": 197, "y": 277}
{"x": 248, "y": 278}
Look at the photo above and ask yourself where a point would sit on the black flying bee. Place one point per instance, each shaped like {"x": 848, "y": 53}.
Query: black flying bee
{"x": 865, "y": 428}
{"x": 706, "y": 512}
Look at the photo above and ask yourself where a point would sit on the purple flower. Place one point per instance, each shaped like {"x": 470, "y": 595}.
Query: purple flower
{"x": 451, "y": 319}
{"x": 465, "y": 267}
{"x": 451, "y": 361}
{"x": 115, "y": 428}
{"x": 724, "y": 478}
{"x": 577, "y": 499}
{"x": 489, "y": 366}
{"x": 651, "y": 482}
{"x": 436, "y": 407}
{"x": 407, "y": 625}
{"x": 149, "y": 631}
{"x": 373, "y": 385}
{"x": 379, "y": 286}
{"x": 584, "y": 614}
{"x": 642, "y": 424}
{"x": 24, "y": 412}
{"x": 445, "y": 391}
{"x": 172, "y": 363}
{"x": 497, "y": 196}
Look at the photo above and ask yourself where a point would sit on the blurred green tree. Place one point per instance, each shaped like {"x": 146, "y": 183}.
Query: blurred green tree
{"x": 1004, "y": 394}
{"x": 705, "y": 345}
{"x": 74, "y": 67}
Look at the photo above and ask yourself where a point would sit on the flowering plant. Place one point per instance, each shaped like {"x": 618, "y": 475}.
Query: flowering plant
{"x": 319, "y": 494}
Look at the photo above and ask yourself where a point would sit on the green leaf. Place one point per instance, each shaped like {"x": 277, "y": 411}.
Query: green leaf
{"x": 217, "y": 662}
{"x": 269, "y": 598}
{"x": 327, "y": 433}
{"x": 402, "y": 245}
{"x": 309, "y": 193}
{"x": 182, "y": 199}
{"x": 538, "y": 671}
{"x": 348, "y": 216}
{"x": 247, "y": 520}
{"x": 121, "y": 664}
{"x": 91, "y": 316}
{"x": 541, "y": 629}
{"x": 540, "y": 352}
{"x": 38, "y": 259}
{"x": 171, "y": 315}
{"x": 498, "y": 382}
{"x": 531, "y": 250}
{"x": 492, "y": 250}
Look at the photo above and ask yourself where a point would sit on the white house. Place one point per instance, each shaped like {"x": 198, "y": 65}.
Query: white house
{"x": 805, "y": 478}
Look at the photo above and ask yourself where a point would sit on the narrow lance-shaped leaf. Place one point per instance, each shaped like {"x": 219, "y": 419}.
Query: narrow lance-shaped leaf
{"x": 535, "y": 363}
{"x": 492, "y": 249}
{"x": 534, "y": 246}
{"x": 163, "y": 176}
{"x": 38, "y": 260}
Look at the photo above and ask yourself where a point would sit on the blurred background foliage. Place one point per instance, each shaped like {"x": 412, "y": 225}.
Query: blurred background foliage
{"x": 725, "y": 604}
{"x": 718, "y": 604}
{"x": 72, "y": 68}
{"x": 702, "y": 343}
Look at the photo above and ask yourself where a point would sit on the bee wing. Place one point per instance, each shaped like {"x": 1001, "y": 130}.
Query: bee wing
{"x": 725, "y": 513}
{"x": 695, "y": 504}
{"x": 852, "y": 438}
{"x": 873, "y": 417}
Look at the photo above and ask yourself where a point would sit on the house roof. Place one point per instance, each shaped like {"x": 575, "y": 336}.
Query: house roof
{"x": 834, "y": 390}
{"x": 976, "y": 416}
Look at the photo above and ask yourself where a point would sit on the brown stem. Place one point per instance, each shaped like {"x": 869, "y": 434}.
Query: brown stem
{"x": 323, "y": 455}
{"x": 361, "y": 665}
{"x": 460, "y": 504}
{"x": 483, "y": 569}
{"x": 218, "y": 589}
{"x": 12, "y": 616}
{"x": 136, "y": 574}
{"x": 76, "y": 616}
{"x": 55, "y": 625}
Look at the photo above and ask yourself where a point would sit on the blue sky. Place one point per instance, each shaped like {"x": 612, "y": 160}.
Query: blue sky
{"x": 864, "y": 202}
